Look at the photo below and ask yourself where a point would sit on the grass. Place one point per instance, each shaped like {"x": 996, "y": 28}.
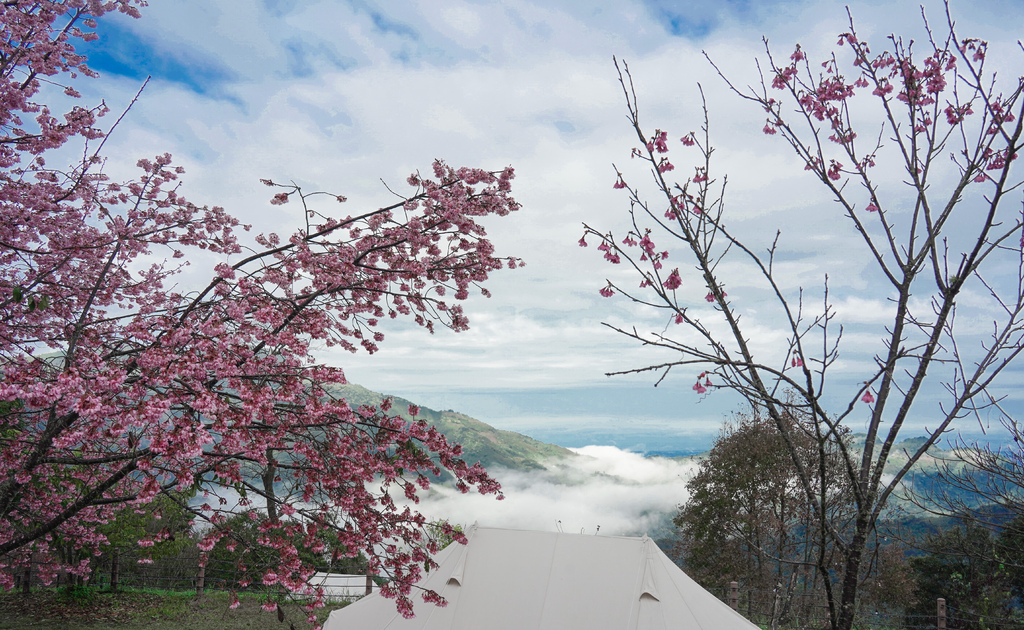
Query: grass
{"x": 83, "y": 607}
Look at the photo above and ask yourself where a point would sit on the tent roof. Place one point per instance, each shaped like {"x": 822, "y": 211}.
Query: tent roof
{"x": 526, "y": 580}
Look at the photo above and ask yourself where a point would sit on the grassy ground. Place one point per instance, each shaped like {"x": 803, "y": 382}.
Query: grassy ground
{"x": 137, "y": 610}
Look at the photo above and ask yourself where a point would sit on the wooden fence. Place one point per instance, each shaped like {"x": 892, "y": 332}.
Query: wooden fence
{"x": 767, "y": 609}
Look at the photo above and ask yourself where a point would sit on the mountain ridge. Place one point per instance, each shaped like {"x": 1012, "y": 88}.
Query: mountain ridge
{"x": 492, "y": 447}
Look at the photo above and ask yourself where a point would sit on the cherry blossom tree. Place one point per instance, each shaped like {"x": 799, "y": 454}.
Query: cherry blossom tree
{"x": 120, "y": 386}
{"x": 946, "y": 241}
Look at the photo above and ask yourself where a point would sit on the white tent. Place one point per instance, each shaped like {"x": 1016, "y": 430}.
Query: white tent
{"x": 523, "y": 580}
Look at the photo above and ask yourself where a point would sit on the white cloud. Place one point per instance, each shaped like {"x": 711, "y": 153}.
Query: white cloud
{"x": 622, "y": 492}
{"x": 382, "y": 91}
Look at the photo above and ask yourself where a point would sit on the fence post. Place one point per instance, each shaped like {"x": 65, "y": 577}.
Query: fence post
{"x": 201, "y": 579}
{"x": 369, "y": 583}
{"x": 940, "y": 620}
{"x": 734, "y": 595}
{"x": 114, "y": 569}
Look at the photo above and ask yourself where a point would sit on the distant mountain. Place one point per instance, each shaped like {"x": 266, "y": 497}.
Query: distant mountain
{"x": 480, "y": 441}
{"x": 900, "y": 451}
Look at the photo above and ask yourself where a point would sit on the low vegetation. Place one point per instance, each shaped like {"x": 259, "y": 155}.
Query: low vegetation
{"x": 71, "y": 608}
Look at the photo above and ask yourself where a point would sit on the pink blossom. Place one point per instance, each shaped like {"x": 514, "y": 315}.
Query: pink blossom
{"x": 783, "y": 77}
{"x": 978, "y": 46}
{"x": 956, "y": 115}
{"x": 797, "y": 362}
{"x": 673, "y": 281}
{"x": 688, "y": 140}
{"x": 658, "y": 143}
{"x": 207, "y": 543}
{"x": 583, "y": 241}
{"x": 607, "y": 291}
{"x": 609, "y": 254}
{"x": 179, "y": 381}
{"x": 647, "y": 244}
{"x": 868, "y": 397}
{"x": 871, "y": 207}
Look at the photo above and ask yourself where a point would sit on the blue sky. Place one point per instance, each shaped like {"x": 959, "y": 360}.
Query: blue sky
{"x": 339, "y": 95}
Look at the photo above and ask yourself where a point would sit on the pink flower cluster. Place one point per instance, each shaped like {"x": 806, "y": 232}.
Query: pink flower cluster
{"x": 702, "y": 387}
{"x": 121, "y": 386}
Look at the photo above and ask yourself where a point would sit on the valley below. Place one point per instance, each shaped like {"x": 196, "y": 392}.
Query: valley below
{"x": 599, "y": 487}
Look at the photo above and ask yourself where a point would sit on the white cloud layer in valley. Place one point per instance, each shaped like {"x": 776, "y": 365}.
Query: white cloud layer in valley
{"x": 621, "y": 492}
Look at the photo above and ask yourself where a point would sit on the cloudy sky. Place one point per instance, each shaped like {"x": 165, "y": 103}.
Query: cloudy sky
{"x": 348, "y": 96}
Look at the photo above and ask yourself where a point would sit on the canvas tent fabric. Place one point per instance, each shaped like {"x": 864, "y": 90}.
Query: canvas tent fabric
{"x": 527, "y": 580}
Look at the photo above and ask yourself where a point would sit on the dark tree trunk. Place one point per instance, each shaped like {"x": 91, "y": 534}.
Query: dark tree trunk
{"x": 851, "y": 578}
{"x": 268, "y": 486}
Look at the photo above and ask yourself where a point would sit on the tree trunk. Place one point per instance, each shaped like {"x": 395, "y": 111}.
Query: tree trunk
{"x": 268, "y": 486}
{"x": 851, "y": 578}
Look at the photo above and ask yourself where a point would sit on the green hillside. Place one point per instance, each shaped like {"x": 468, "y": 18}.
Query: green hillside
{"x": 481, "y": 442}
{"x": 899, "y": 454}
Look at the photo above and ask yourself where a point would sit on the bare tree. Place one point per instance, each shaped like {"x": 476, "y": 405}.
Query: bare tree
{"x": 951, "y": 231}
{"x": 977, "y": 481}
{"x": 979, "y": 486}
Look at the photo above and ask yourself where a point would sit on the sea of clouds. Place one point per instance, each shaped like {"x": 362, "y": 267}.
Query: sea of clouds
{"x": 618, "y": 491}
{"x": 601, "y": 489}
